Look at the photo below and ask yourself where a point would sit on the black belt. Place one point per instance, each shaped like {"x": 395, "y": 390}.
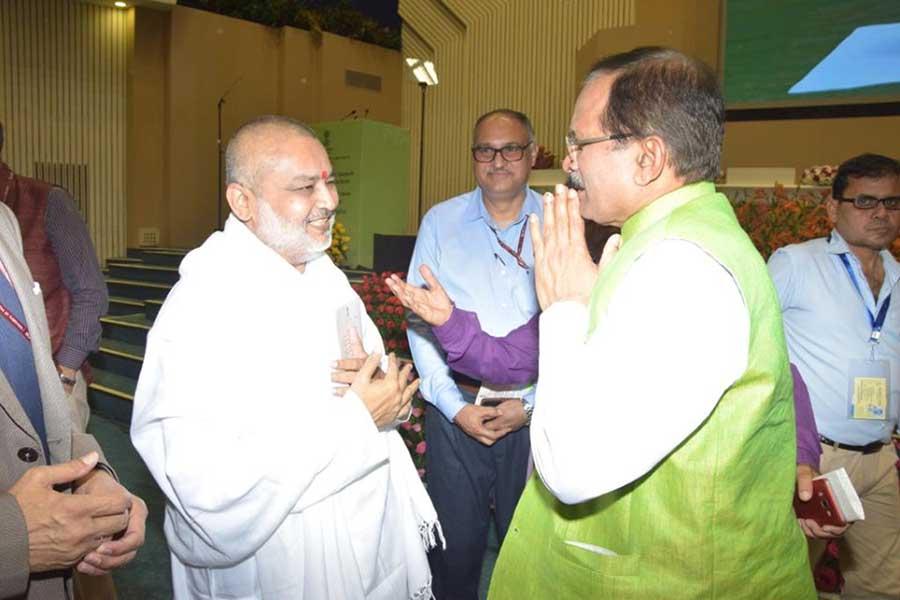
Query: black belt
{"x": 870, "y": 448}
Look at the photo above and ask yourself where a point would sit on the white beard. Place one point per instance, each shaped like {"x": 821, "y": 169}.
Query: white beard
{"x": 289, "y": 239}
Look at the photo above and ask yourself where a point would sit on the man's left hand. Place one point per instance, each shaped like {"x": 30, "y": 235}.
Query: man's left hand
{"x": 805, "y": 476}
{"x": 113, "y": 554}
{"x": 512, "y": 417}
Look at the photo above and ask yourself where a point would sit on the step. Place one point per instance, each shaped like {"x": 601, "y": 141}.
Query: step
{"x": 170, "y": 257}
{"x": 123, "y": 259}
{"x": 131, "y": 329}
{"x": 112, "y": 395}
{"x": 119, "y": 305}
{"x": 119, "y": 357}
{"x": 142, "y": 272}
{"x": 137, "y": 290}
{"x": 151, "y": 308}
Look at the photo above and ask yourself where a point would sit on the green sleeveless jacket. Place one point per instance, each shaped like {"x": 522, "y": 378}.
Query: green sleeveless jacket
{"x": 713, "y": 520}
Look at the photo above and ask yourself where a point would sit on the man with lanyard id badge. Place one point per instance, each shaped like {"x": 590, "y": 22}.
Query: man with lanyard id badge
{"x": 843, "y": 333}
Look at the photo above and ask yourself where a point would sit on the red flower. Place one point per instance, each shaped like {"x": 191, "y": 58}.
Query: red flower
{"x": 379, "y": 322}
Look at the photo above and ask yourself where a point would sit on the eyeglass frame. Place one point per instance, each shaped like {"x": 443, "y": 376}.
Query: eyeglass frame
{"x": 883, "y": 201}
{"x": 500, "y": 151}
{"x": 573, "y": 144}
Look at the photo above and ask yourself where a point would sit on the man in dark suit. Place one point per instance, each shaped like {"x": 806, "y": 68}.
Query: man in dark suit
{"x": 60, "y": 504}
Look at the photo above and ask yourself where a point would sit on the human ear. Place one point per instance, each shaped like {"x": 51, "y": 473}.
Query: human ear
{"x": 241, "y": 201}
{"x": 651, "y": 160}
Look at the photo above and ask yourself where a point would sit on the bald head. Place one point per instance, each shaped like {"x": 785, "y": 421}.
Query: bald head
{"x": 255, "y": 145}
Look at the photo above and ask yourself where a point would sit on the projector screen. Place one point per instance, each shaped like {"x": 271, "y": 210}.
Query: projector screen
{"x": 811, "y": 52}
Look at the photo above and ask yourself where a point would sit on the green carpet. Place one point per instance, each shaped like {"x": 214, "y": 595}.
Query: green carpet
{"x": 147, "y": 577}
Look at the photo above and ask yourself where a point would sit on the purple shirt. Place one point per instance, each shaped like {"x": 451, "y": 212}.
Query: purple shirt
{"x": 513, "y": 360}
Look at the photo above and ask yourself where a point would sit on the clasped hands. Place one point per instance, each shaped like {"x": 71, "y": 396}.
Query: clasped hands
{"x": 66, "y": 530}
{"x": 386, "y": 395}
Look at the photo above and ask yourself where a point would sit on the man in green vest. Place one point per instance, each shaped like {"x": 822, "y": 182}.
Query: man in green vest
{"x": 663, "y": 429}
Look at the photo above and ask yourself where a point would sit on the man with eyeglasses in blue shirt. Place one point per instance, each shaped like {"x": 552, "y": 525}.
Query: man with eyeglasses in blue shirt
{"x": 842, "y": 325}
{"x": 478, "y": 244}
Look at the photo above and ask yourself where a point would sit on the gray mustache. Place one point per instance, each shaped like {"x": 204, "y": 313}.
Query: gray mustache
{"x": 321, "y": 215}
{"x": 574, "y": 182}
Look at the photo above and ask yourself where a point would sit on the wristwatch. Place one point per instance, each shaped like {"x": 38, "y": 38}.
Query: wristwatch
{"x": 528, "y": 408}
{"x": 66, "y": 379}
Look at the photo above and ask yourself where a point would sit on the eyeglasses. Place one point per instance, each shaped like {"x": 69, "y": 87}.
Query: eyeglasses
{"x": 509, "y": 152}
{"x": 573, "y": 144}
{"x": 866, "y": 202}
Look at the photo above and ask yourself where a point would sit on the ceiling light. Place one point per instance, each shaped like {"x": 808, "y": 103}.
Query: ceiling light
{"x": 120, "y": 4}
{"x": 423, "y": 71}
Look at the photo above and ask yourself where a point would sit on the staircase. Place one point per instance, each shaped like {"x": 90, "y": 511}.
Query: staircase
{"x": 137, "y": 286}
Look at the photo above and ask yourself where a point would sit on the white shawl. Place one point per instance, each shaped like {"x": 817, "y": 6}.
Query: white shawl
{"x": 276, "y": 488}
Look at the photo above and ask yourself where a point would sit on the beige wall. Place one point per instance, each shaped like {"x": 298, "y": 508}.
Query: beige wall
{"x": 148, "y": 164}
{"x": 191, "y": 58}
{"x": 490, "y": 54}
{"x": 694, "y": 27}
{"x": 63, "y": 100}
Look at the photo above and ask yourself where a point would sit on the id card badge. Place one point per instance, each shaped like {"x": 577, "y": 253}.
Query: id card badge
{"x": 870, "y": 390}
{"x": 492, "y": 396}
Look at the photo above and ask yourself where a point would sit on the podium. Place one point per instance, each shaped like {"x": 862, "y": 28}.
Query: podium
{"x": 371, "y": 166}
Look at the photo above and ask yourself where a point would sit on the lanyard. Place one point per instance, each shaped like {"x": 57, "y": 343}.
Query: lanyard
{"x": 517, "y": 253}
{"x": 876, "y": 322}
{"x": 20, "y": 327}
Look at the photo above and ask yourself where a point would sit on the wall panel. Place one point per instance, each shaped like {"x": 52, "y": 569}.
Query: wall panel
{"x": 491, "y": 54}
{"x": 63, "y": 70}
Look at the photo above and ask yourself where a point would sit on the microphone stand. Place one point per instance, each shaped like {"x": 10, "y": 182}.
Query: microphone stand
{"x": 219, "y": 183}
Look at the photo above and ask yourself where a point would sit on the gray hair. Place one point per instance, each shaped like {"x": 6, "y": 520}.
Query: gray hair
{"x": 663, "y": 92}
{"x": 521, "y": 117}
{"x": 243, "y": 169}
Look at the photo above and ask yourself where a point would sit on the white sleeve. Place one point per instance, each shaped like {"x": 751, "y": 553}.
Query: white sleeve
{"x": 675, "y": 336}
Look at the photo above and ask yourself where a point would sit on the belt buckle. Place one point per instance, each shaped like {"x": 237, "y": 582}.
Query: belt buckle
{"x": 872, "y": 447}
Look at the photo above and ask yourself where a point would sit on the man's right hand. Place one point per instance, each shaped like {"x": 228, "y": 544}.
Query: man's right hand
{"x": 471, "y": 419}
{"x": 432, "y": 304}
{"x": 389, "y": 397}
{"x": 62, "y": 528}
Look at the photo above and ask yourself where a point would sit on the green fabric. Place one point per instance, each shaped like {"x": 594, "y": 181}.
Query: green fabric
{"x": 713, "y": 520}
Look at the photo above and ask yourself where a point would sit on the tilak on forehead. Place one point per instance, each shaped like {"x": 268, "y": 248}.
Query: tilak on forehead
{"x": 324, "y": 174}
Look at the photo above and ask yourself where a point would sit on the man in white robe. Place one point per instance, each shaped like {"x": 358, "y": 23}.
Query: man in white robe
{"x": 278, "y": 485}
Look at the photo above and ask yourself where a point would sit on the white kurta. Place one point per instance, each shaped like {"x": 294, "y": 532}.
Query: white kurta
{"x": 670, "y": 348}
{"x": 276, "y": 488}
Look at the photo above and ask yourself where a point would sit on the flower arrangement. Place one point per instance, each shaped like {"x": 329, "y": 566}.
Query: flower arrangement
{"x": 413, "y": 434}
{"x": 340, "y": 243}
{"x": 782, "y": 219}
{"x": 385, "y": 310}
{"x": 389, "y": 316}
{"x": 819, "y": 175}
